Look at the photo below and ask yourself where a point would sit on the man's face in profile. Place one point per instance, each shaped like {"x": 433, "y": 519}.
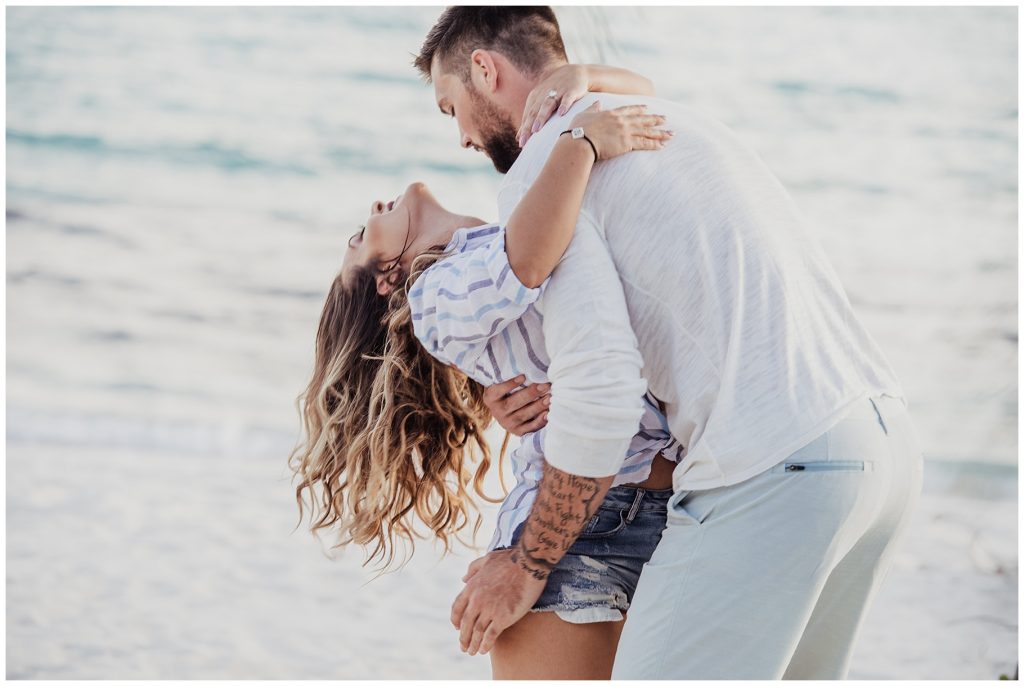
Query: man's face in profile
{"x": 482, "y": 126}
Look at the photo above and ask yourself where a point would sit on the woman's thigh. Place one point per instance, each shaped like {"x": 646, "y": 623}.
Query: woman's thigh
{"x": 541, "y": 645}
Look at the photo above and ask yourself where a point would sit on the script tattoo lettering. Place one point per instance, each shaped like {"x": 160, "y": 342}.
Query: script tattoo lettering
{"x": 565, "y": 503}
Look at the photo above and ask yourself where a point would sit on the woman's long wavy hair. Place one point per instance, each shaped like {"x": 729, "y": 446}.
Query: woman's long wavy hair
{"x": 389, "y": 432}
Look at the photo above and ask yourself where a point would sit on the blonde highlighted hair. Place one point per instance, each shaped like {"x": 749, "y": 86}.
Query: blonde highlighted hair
{"x": 390, "y": 434}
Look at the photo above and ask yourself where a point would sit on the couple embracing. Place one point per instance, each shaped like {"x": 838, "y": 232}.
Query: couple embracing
{"x": 716, "y": 459}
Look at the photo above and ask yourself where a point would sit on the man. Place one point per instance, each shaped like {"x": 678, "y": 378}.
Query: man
{"x": 801, "y": 466}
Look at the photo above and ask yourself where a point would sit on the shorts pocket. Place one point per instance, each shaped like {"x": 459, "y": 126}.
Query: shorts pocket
{"x": 605, "y": 522}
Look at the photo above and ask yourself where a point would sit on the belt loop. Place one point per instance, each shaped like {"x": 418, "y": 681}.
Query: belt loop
{"x": 879, "y": 413}
{"x": 636, "y": 505}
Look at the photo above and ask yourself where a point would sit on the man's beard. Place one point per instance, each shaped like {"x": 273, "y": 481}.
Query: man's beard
{"x": 499, "y": 136}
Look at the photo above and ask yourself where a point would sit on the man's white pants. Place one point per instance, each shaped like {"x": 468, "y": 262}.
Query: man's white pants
{"x": 771, "y": 577}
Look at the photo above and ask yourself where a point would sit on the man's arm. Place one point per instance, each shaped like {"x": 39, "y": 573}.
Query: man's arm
{"x": 565, "y": 503}
{"x": 596, "y": 405}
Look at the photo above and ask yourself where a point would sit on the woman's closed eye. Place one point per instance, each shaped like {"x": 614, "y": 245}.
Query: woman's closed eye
{"x": 358, "y": 234}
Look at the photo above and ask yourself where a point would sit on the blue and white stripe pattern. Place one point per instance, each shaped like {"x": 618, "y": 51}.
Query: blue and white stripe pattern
{"x": 470, "y": 310}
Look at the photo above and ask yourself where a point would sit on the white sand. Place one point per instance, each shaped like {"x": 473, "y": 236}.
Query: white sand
{"x": 128, "y": 566}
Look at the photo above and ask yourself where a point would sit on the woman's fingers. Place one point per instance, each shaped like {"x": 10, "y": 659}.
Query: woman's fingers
{"x": 539, "y": 114}
{"x": 533, "y": 102}
{"x": 631, "y": 109}
{"x": 642, "y": 143}
{"x": 541, "y": 109}
{"x": 646, "y": 134}
{"x": 656, "y": 134}
{"x": 625, "y": 128}
{"x": 648, "y": 119}
{"x": 570, "y": 99}
{"x": 547, "y": 106}
{"x": 642, "y": 122}
{"x": 529, "y": 112}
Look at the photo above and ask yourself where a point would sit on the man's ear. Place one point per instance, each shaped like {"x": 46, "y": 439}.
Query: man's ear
{"x": 483, "y": 71}
{"x": 387, "y": 282}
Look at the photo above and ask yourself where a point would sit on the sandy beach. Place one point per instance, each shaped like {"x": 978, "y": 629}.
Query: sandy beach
{"x": 124, "y": 566}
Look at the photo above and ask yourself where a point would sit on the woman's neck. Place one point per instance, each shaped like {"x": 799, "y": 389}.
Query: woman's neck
{"x": 437, "y": 227}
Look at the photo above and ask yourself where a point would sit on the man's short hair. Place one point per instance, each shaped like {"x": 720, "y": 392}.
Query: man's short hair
{"x": 528, "y": 36}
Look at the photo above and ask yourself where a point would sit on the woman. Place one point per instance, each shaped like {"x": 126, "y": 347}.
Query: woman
{"x": 429, "y": 308}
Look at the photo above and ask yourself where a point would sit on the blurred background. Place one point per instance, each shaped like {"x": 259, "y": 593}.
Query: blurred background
{"x": 180, "y": 186}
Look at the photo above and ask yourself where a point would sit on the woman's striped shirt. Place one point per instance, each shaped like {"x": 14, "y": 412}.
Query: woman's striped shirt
{"x": 469, "y": 309}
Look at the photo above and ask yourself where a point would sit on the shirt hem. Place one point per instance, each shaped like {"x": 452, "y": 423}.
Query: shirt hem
{"x": 777, "y": 456}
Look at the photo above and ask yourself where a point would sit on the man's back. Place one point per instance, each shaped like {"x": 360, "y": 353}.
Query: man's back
{"x": 745, "y": 332}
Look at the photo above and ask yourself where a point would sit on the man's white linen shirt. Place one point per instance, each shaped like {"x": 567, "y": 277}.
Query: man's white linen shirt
{"x": 745, "y": 332}
{"x": 469, "y": 309}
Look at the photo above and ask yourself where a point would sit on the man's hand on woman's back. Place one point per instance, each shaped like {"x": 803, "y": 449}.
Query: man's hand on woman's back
{"x": 519, "y": 409}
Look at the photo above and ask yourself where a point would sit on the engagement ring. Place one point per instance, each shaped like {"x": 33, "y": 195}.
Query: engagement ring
{"x": 552, "y": 93}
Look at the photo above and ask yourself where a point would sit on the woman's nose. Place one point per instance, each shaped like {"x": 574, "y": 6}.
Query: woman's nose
{"x": 377, "y": 207}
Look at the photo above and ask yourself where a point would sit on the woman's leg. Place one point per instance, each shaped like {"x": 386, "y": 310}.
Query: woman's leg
{"x": 541, "y": 645}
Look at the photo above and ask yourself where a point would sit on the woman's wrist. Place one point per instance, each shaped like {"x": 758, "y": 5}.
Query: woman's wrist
{"x": 604, "y": 79}
{"x": 593, "y": 73}
{"x": 572, "y": 132}
{"x": 577, "y": 149}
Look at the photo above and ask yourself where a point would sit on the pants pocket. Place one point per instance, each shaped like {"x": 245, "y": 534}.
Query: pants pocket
{"x": 677, "y": 512}
{"x": 796, "y": 466}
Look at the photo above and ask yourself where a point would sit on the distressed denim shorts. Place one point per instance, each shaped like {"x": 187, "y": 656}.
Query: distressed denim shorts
{"x": 596, "y": 579}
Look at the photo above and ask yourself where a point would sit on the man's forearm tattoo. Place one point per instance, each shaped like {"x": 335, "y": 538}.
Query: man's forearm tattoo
{"x": 565, "y": 502}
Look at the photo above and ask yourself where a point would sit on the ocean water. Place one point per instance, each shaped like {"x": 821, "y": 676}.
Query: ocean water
{"x": 180, "y": 186}
{"x": 181, "y": 183}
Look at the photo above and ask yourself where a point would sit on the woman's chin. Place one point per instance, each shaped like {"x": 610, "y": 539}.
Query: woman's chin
{"x": 416, "y": 189}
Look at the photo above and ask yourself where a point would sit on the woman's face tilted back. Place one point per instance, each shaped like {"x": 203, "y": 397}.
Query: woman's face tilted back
{"x": 395, "y": 233}
{"x": 389, "y": 432}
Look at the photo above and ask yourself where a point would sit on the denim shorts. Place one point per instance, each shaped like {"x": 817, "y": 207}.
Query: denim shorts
{"x": 596, "y": 579}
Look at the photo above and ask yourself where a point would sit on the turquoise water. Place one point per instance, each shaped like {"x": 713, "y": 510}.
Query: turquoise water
{"x": 181, "y": 182}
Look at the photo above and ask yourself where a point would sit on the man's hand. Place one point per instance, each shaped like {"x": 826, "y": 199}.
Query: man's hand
{"x": 502, "y": 586}
{"x": 519, "y": 411}
{"x": 498, "y": 593}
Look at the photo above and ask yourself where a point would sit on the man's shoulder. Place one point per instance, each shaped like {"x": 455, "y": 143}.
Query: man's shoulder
{"x": 538, "y": 148}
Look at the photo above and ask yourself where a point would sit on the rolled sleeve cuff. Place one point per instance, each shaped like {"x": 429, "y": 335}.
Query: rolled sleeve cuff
{"x": 506, "y": 283}
{"x": 589, "y": 457}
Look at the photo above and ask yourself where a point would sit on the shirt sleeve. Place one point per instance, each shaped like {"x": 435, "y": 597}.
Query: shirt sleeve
{"x": 596, "y": 384}
{"x": 461, "y": 301}
{"x": 509, "y": 195}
